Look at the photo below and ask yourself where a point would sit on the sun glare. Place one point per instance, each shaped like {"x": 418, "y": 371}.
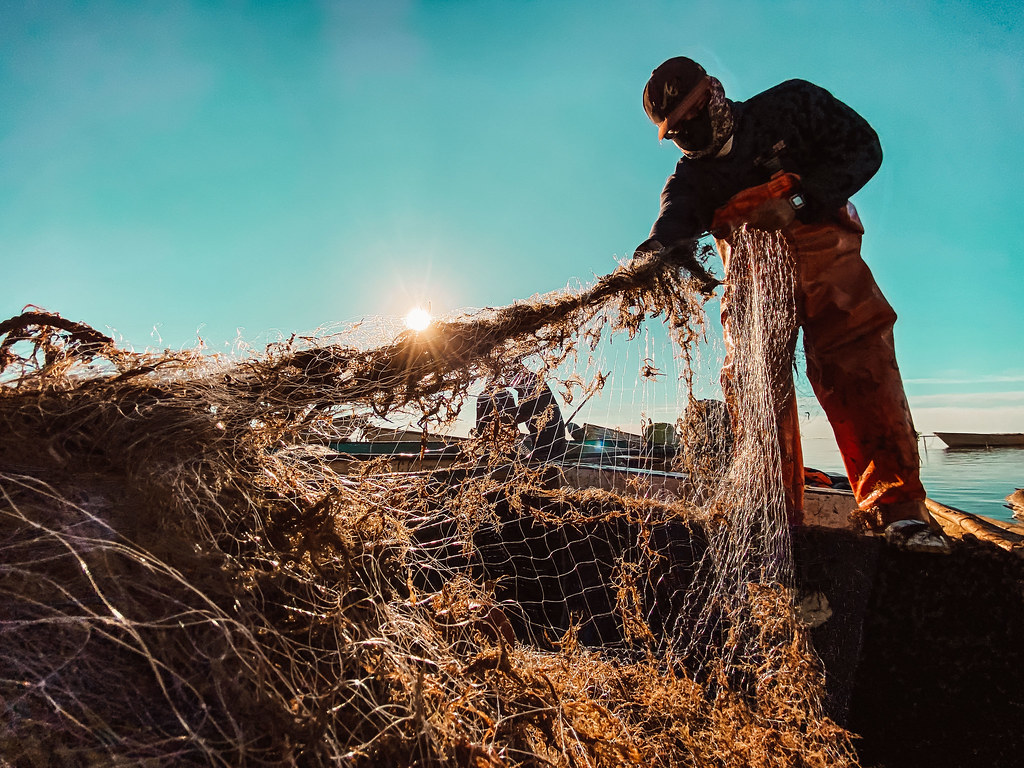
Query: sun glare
{"x": 418, "y": 319}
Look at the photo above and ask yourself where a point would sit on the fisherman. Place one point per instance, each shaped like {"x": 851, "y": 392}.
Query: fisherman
{"x": 788, "y": 160}
{"x": 537, "y": 409}
{"x": 495, "y": 408}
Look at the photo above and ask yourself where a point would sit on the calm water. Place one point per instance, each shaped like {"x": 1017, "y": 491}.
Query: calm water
{"x": 972, "y": 479}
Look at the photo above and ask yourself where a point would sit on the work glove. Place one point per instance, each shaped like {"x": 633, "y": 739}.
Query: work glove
{"x": 767, "y": 206}
{"x": 646, "y": 248}
{"x": 682, "y": 253}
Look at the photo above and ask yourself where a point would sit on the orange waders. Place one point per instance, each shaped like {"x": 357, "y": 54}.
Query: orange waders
{"x": 851, "y": 364}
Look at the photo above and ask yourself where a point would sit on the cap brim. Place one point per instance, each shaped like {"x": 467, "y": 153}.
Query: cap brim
{"x": 693, "y": 97}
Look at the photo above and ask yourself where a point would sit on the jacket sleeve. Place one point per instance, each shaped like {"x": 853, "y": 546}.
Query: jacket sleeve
{"x": 838, "y": 151}
{"x": 683, "y": 214}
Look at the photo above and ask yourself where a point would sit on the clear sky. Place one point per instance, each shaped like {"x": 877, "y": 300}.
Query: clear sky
{"x": 177, "y": 170}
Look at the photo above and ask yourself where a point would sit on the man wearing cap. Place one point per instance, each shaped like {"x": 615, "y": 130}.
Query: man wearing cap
{"x": 788, "y": 160}
{"x": 537, "y": 409}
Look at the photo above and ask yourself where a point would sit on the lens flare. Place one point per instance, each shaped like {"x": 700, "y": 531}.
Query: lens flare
{"x": 418, "y": 319}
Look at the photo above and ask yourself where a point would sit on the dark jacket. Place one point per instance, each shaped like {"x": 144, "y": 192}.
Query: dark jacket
{"x": 831, "y": 147}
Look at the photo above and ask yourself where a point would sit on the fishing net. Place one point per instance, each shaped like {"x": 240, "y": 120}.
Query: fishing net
{"x": 522, "y": 537}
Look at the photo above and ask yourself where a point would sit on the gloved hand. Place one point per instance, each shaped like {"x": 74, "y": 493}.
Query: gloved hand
{"x": 772, "y": 214}
{"x": 766, "y": 206}
{"x": 683, "y": 254}
{"x": 647, "y": 247}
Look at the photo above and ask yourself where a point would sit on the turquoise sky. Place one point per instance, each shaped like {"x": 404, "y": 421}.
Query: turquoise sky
{"x": 177, "y": 170}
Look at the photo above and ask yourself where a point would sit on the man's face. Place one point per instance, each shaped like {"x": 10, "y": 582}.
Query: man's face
{"x": 693, "y": 132}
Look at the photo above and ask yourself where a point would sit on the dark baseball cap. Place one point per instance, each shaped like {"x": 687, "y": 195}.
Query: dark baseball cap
{"x": 674, "y": 87}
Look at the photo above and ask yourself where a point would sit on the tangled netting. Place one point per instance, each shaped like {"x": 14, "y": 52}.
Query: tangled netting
{"x": 196, "y": 569}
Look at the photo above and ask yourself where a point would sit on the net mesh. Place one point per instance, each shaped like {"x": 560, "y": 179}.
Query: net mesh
{"x": 291, "y": 559}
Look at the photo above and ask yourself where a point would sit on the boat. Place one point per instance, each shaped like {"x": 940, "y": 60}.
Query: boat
{"x": 406, "y": 450}
{"x": 907, "y": 639}
{"x": 981, "y": 439}
{"x": 606, "y": 437}
{"x": 614, "y": 460}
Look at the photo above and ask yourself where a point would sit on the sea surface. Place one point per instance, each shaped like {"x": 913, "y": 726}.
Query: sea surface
{"x": 974, "y": 480}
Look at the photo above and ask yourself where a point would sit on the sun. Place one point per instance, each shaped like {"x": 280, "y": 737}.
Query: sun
{"x": 418, "y": 319}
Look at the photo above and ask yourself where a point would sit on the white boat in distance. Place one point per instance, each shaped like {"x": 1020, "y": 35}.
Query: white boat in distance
{"x": 981, "y": 439}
